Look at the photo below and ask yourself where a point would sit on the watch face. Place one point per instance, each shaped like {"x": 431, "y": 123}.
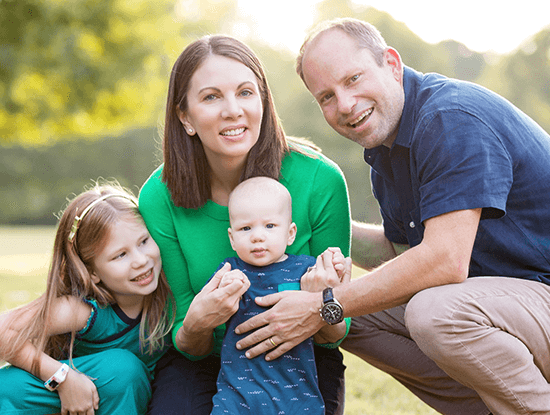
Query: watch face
{"x": 332, "y": 313}
{"x": 54, "y": 384}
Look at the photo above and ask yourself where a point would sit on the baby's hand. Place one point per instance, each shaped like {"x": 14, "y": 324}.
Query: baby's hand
{"x": 231, "y": 276}
{"x": 339, "y": 262}
{"x": 330, "y": 270}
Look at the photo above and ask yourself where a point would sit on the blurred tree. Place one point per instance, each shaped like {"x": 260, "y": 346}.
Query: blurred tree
{"x": 80, "y": 67}
{"x": 524, "y": 77}
{"x": 34, "y": 182}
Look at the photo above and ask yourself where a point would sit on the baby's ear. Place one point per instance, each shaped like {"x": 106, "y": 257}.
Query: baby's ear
{"x": 292, "y": 233}
{"x": 231, "y": 238}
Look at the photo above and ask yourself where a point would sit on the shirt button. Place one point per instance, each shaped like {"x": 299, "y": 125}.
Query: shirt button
{"x": 412, "y": 225}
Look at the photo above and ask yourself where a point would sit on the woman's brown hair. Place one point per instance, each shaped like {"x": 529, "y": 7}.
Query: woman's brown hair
{"x": 186, "y": 170}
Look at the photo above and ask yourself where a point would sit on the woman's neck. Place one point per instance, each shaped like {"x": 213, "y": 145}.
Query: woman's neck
{"x": 223, "y": 179}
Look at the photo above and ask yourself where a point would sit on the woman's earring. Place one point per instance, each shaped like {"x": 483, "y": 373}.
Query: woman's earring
{"x": 190, "y": 131}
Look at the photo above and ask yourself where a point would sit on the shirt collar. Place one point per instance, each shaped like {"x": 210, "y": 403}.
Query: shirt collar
{"x": 411, "y": 80}
{"x": 378, "y": 157}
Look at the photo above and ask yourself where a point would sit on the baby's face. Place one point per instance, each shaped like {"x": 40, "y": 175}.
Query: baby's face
{"x": 261, "y": 230}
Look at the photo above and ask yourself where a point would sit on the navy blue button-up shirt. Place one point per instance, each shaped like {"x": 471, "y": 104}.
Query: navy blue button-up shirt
{"x": 460, "y": 146}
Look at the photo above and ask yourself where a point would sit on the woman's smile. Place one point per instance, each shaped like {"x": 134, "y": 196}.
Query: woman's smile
{"x": 224, "y": 107}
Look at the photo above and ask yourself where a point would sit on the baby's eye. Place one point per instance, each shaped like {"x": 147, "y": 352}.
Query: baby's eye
{"x": 270, "y": 225}
{"x": 245, "y": 228}
{"x": 145, "y": 240}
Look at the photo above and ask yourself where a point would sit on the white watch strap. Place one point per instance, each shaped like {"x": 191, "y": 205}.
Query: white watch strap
{"x": 57, "y": 378}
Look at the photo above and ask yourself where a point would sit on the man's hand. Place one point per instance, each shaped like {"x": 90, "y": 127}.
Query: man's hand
{"x": 293, "y": 318}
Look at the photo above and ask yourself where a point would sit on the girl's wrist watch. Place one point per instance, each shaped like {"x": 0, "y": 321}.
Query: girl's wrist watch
{"x": 57, "y": 378}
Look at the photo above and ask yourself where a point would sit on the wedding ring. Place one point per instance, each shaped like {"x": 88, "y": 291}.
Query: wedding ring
{"x": 272, "y": 342}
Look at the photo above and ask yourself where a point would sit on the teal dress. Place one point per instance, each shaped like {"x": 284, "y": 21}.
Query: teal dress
{"x": 108, "y": 351}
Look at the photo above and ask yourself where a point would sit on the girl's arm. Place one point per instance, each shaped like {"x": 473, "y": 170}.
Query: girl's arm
{"x": 77, "y": 393}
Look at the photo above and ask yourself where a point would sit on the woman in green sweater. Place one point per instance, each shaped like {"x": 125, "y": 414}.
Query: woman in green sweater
{"x": 220, "y": 129}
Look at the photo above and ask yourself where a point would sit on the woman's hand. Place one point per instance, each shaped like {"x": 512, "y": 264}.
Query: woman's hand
{"x": 78, "y": 395}
{"x": 215, "y": 304}
{"x": 211, "y": 307}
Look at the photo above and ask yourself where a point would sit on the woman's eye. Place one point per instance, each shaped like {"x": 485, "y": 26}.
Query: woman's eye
{"x": 246, "y": 93}
{"x": 210, "y": 97}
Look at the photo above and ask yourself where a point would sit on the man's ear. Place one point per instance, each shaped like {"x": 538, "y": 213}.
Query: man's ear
{"x": 292, "y": 233}
{"x": 186, "y": 124}
{"x": 393, "y": 59}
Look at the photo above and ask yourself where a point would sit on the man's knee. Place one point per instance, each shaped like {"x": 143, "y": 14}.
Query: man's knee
{"x": 426, "y": 318}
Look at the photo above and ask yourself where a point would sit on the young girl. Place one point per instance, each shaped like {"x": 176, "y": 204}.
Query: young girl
{"x": 89, "y": 344}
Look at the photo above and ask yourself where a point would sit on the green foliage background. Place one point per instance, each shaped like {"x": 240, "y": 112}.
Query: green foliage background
{"x": 83, "y": 84}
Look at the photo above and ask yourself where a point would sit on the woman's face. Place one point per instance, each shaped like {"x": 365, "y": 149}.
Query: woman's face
{"x": 224, "y": 109}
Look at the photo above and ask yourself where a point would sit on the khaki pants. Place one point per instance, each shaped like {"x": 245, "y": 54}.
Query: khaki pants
{"x": 491, "y": 334}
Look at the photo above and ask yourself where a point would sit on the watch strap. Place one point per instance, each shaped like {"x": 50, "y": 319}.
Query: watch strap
{"x": 327, "y": 295}
{"x": 57, "y": 378}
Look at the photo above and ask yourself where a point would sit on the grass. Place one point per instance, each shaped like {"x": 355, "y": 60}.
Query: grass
{"x": 24, "y": 260}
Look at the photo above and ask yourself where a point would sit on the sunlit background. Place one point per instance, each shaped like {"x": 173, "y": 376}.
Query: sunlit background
{"x": 82, "y": 95}
{"x": 482, "y": 25}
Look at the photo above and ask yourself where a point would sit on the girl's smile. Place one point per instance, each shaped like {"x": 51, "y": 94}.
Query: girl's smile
{"x": 129, "y": 264}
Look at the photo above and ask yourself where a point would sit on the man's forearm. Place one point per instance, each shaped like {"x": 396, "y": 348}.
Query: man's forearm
{"x": 443, "y": 257}
{"x": 369, "y": 247}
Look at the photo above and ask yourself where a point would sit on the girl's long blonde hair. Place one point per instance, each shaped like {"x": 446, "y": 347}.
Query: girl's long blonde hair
{"x": 69, "y": 275}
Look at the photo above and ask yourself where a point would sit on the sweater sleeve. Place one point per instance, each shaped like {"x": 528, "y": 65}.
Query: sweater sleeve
{"x": 320, "y": 203}
{"x": 330, "y": 210}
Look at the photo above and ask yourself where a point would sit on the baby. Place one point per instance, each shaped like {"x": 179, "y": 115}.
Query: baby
{"x": 260, "y": 213}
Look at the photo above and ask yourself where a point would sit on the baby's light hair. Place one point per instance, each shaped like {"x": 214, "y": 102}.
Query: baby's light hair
{"x": 259, "y": 186}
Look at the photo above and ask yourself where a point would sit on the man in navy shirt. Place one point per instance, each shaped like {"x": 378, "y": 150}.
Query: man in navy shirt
{"x": 457, "y": 305}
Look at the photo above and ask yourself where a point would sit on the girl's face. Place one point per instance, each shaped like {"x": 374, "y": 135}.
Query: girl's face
{"x": 129, "y": 264}
{"x": 224, "y": 109}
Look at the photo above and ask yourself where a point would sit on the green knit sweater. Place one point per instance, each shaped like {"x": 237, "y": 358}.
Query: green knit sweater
{"x": 193, "y": 242}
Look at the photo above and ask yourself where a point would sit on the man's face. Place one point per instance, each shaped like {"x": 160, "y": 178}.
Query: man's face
{"x": 361, "y": 100}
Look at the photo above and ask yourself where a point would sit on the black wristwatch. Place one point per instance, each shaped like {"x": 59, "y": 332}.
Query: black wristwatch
{"x": 331, "y": 311}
